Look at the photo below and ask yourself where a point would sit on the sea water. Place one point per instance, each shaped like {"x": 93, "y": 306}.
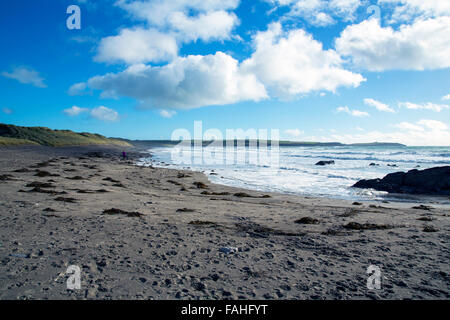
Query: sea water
{"x": 297, "y": 173}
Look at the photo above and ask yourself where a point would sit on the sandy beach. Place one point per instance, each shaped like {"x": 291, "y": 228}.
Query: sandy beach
{"x": 152, "y": 233}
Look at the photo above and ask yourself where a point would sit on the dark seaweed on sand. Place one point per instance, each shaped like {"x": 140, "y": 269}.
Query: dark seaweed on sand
{"x": 115, "y": 211}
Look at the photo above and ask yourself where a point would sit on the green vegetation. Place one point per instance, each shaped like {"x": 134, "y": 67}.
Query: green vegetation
{"x": 13, "y": 135}
{"x": 5, "y": 141}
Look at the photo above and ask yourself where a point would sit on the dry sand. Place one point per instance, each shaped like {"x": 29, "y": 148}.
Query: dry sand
{"x": 166, "y": 244}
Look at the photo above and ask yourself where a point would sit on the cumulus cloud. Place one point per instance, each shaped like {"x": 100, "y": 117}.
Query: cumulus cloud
{"x": 101, "y": 113}
{"x": 167, "y": 113}
{"x": 405, "y": 10}
{"x": 77, "y": 89}
{"x": 320, "y": 12}
{"x": 378, "y": 105}
{"x": 168, "y": 25}
{"x": 355, "y": 113}
{"x": 295, "y": 133}
{"x": 283, "y": 65}
{"x": 293, "y": 63}
{"x": 423, "y": 45}
{"x": 75, "y": 111}
{"x": 447, "y": 97}
{"x": 137, "y": 46}
{"x": 185, "y": 83}
{"x": 219, "y": 26}
{"x": 409, "y": 126}
{"x": 159, "y": 12}
{"x": 105, "y": 114}
{"x": 433, "y": 125}
{"x": 426, "y": 106}
{"x": 27, "y": 76}
{"x": 183, "y": 20}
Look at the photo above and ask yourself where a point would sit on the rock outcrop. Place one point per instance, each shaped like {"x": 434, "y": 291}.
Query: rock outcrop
{"x": 433, "y": 181}
{"x": 324, "y": 163}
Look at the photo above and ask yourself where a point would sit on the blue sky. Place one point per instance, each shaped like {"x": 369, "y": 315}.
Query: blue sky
{"x": 322, "y": 70}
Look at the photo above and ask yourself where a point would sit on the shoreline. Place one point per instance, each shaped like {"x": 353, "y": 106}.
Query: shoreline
{"x": 155, "y": 233}
{"x": 400, "y": 198}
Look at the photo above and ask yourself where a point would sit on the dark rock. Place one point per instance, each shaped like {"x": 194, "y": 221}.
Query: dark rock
{"x": 307, "y": 220}
{"x": 227, "y": 293}
{"x": 374, "y": 165}
{"x": 430, "y": 229}
{"x": 198, "y": 286}
{"x": 324, "y": 163}
{"x": 435, "y": 181}
{"x": 214, "y": 277}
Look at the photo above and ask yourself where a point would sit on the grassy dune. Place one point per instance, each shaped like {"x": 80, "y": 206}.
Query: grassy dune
{"x": 5, "y": 141}
{"x": 13, "y": 135}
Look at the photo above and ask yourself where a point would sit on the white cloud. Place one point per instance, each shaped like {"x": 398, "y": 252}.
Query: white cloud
{"x": 405, "y": 10}
{"x": 75, "y": 111}
{"x": 158, "y": 12}
{"x": 186, "y": 19}
{"x": 423, "y": 45}
{"x": 293, "y": 63}
{"x": 409, "y": 126}
{"x": 423, "y": 133}
{"x": 27, "y": 76}
{"x": 355, "y": 113}
{"x": 295, "y": 133}
{"x": 433, "y": 125}
{"x": 447, "y": 97}
{"x": 167, "y": 113}
{"x": 185, "y": 83}
{"x": 320, "y": 12}
{"x": 285, "y": 64}
{"x": 100, "y": 113}
{"x": 77, "y": 89}
{"x": 215, "y": 25}
{"x": 426, "y": 106}
{"x": 104, "y": 114}
{"x": 137, "y": 46}
{"x": 378, "y": 105}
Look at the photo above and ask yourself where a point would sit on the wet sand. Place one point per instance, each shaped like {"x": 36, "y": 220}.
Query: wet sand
{"x": 152, "y": 233}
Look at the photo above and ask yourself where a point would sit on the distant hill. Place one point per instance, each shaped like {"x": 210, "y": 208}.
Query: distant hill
{"x": 14, "y": 135}
{"x": 169, "y": 143}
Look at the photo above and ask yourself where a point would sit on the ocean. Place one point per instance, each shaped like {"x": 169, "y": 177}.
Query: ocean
{"x": 295, "y": 171}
